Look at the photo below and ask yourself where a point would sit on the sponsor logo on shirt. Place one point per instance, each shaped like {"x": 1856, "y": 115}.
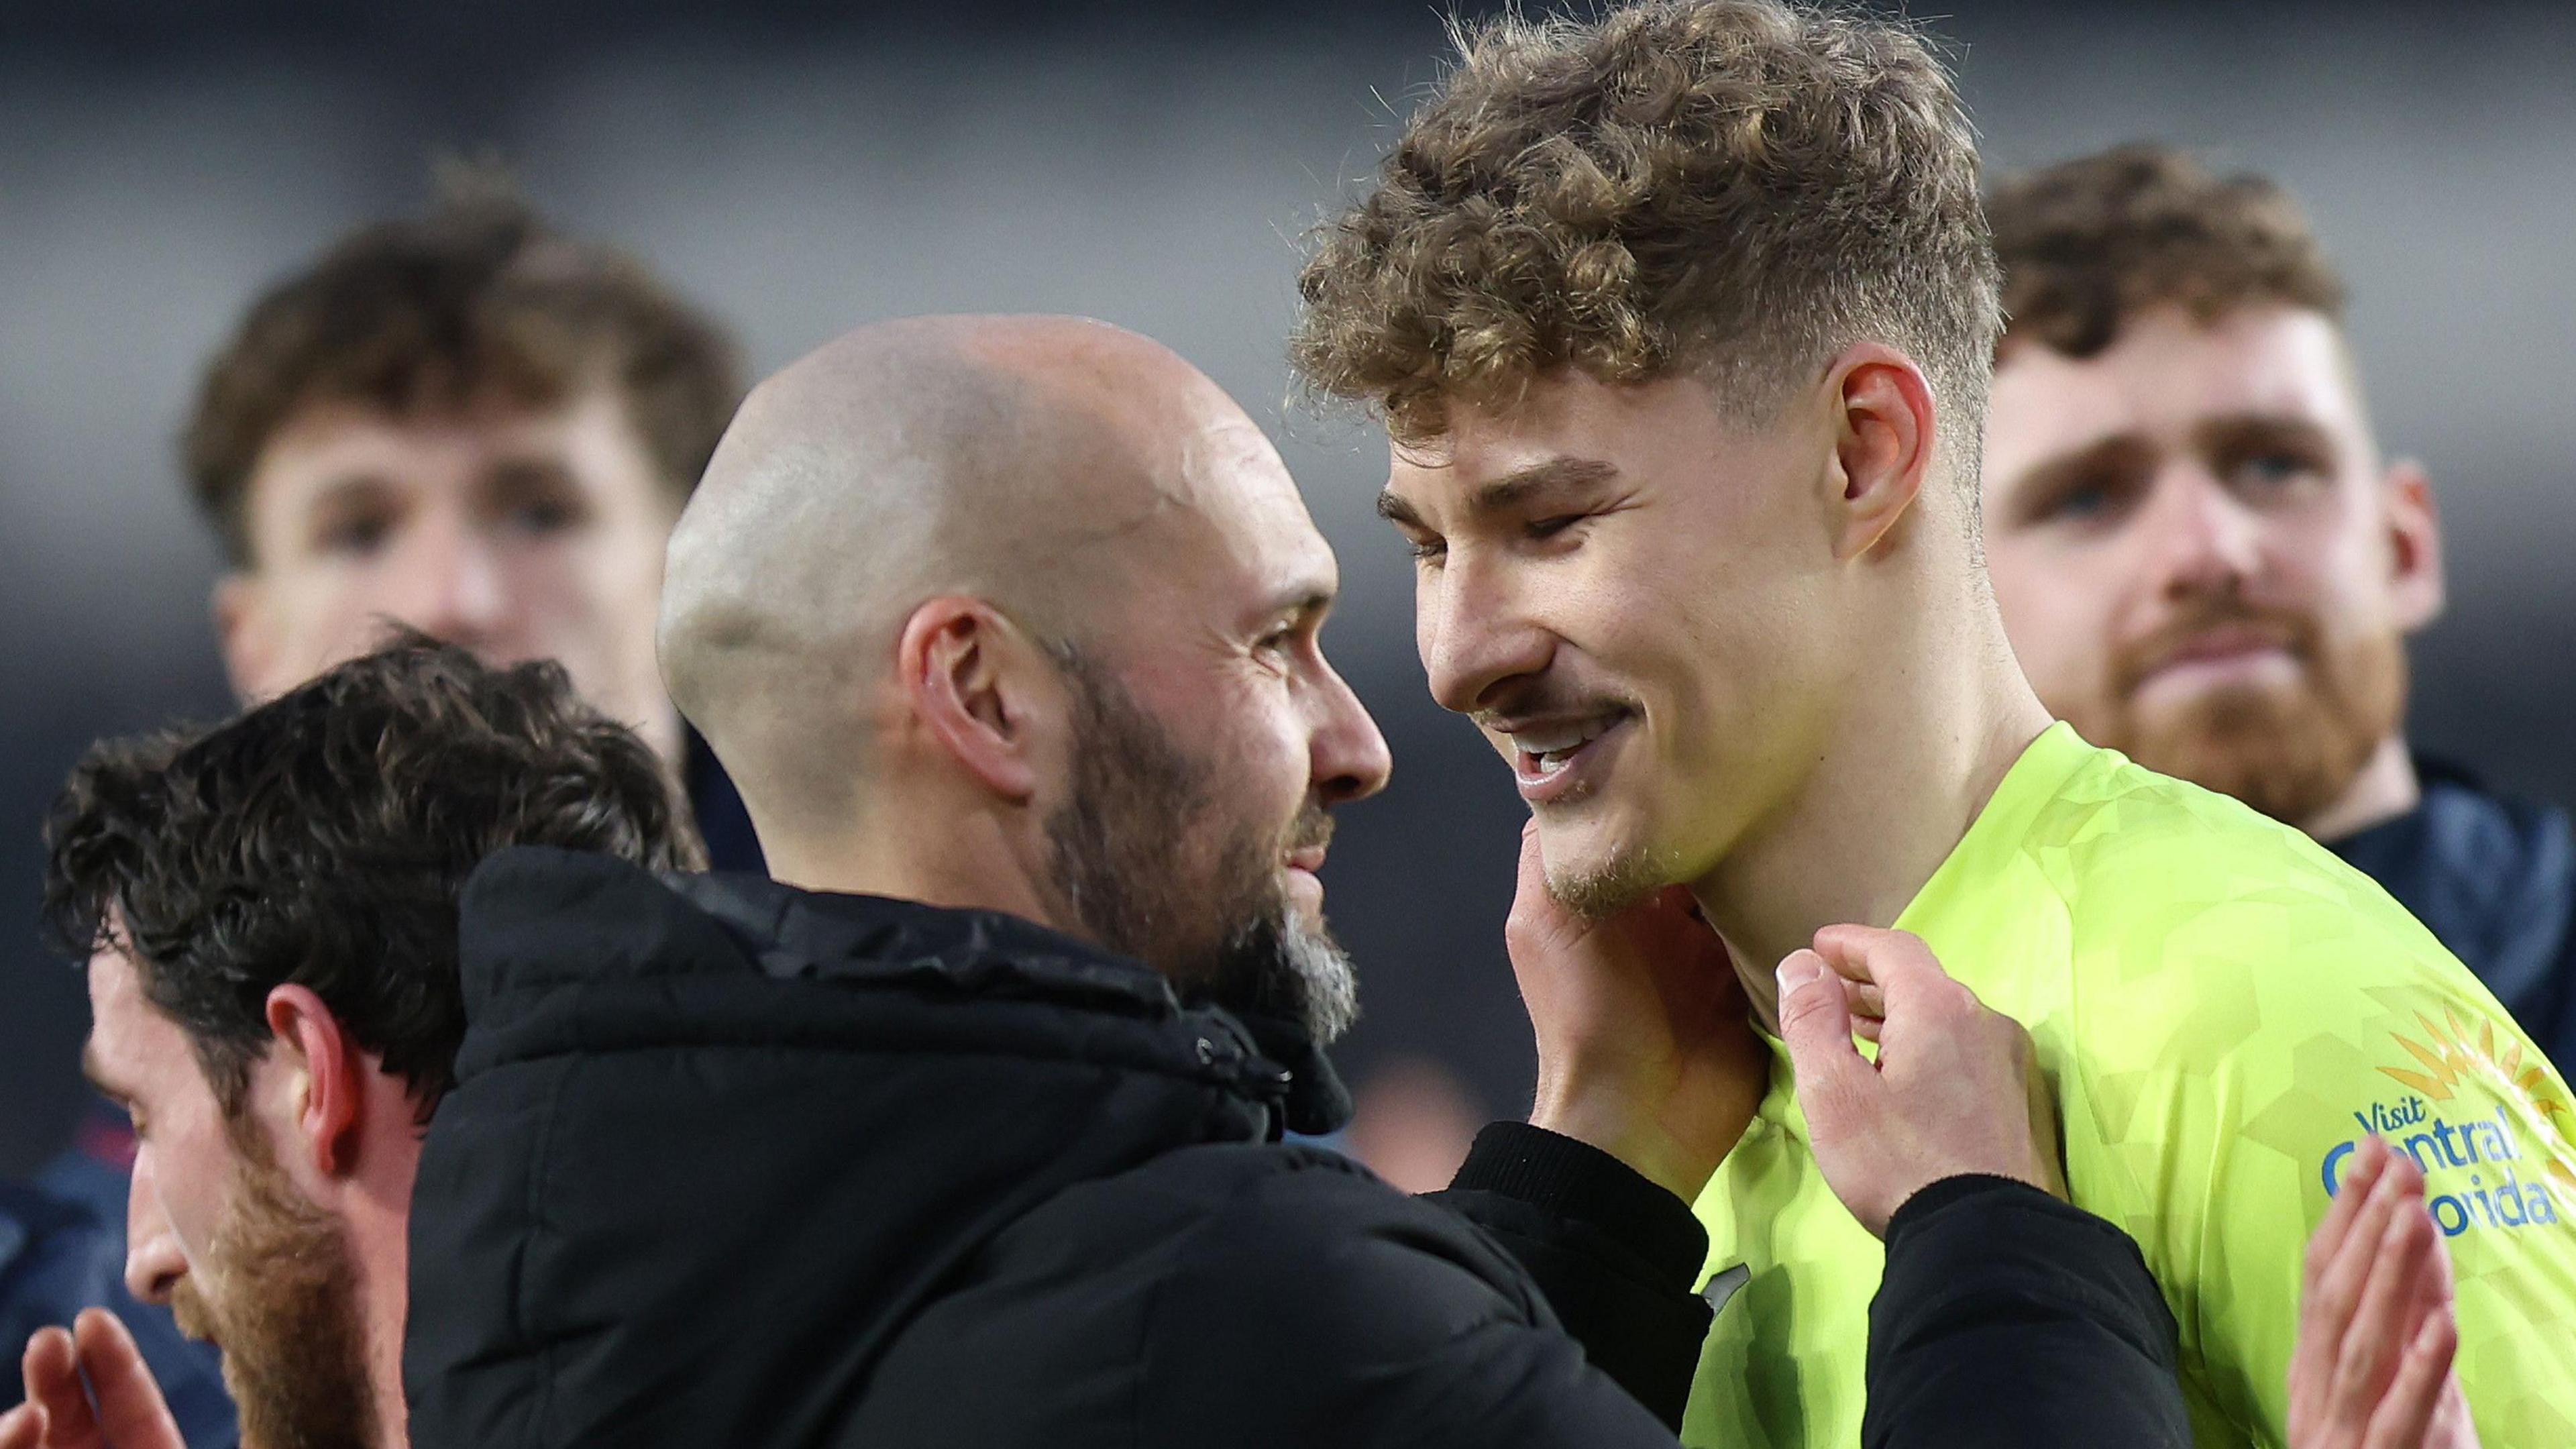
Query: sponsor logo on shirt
{"x": 2480, "y": 1173}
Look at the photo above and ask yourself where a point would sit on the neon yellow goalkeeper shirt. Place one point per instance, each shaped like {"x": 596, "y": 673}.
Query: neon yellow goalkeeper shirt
{"x": 2223, "y": 1010}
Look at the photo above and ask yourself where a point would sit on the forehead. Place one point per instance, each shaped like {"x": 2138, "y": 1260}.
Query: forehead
{"x": 129, "y": 1037}
{"x": 1253, "y": 522}
{"x": 2164, "y": 375}
{"x": 1640, "y": 429}
{"x": 331, "y": 444}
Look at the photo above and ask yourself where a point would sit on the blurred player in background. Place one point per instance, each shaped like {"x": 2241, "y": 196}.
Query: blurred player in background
{"x": 472, "y": 426}
{"x": 1682, "y": 320}
{"x": 466, "y": 423}
{"x": 2205, "y": 563}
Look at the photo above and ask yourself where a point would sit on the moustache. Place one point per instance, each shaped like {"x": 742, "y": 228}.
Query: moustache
{"x": 189, "y": 1309}
{"x": 1541, "y": 701}
{"x": 1312, "y": 829}
{"x": 2289, "y": 630}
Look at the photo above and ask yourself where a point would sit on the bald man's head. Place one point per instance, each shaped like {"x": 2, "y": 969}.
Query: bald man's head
{"x": 1037, "y": 463}
{"x": 1023, "y": 613}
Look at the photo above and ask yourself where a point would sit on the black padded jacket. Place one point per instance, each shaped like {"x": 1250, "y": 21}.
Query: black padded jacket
{"x": 733, "y": 1163}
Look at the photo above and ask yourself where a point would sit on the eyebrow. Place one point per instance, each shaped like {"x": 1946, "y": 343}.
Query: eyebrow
{"x": 359, "y": 485}
{"x": 1301, "y": 601}
{"x": 1516, "y": 489}
{"x": 2243, "y": 430}
{"x": 2044, "y": 479}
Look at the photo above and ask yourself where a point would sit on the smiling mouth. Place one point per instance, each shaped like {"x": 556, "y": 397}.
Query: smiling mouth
{"x": 1548, "y": 757}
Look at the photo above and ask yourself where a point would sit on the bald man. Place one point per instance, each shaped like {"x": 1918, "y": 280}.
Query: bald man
{"x": 965, "y": 1129}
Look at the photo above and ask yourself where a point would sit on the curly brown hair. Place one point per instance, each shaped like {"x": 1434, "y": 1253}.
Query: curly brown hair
{"x": 2089, "y": 243}
{"x": 1739, "y": 188}
{"x": 477, "y": 299}
{"x": 321, "y": 839}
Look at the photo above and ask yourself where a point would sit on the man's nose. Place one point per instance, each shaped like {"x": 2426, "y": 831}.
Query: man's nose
{"x": 2204, "y": 540}
{"x": 1351, "y": 760}
{"x": 450, "y": 584}
{"x": 153, "y": 1262}
{"x": 1473, "y": 636}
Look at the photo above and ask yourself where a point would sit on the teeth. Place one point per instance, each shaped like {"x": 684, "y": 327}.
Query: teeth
{"x": 1561, "y": 740}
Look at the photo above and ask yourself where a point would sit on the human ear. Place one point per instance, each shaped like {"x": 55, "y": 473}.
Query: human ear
{"x": 970, "y": 677}
{"x": 2415, "y": 582}
{"x": 331, "y": 1080}
{"x": 1884, "y": 427}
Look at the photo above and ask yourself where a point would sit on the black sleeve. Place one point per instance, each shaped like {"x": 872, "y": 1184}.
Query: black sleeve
{"x": 1617, "y": 1256}
{"x": 2008, "y": 1318}
{"x": 1374, "y": 1321}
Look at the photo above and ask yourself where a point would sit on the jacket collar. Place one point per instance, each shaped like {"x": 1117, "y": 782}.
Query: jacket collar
{"x": 792, "y": 932}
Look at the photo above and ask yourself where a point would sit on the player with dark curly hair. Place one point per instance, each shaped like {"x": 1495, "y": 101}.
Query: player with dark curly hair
{"x": 1681, "y": 320}
{"x": 268, "y": 910}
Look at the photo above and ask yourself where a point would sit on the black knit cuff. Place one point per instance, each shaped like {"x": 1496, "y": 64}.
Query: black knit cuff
{"x": 1578, "y": 1181}
{"x": 1941, "y": 1194}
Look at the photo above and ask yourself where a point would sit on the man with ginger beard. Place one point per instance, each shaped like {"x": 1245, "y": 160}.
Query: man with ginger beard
{"x": 2205, "y": 563}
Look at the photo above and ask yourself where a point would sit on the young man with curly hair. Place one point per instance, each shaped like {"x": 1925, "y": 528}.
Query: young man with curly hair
{"x": 2205, "y": 562}
{"x": 1681, "y": 321}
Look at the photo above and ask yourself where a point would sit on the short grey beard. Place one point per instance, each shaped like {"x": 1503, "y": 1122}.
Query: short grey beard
{"x": 1329, "y": 995}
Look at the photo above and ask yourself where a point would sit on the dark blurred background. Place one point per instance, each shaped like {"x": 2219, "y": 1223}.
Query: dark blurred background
{"x": 799, "y": 167}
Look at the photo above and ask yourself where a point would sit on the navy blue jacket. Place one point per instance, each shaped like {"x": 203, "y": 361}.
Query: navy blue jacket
{"x": 2495, "y": 879}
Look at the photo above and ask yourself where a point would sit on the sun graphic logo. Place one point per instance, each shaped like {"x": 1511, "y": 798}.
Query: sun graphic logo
{"x": 2449, "y": 1058}
{"x": 2481, "y": 1171}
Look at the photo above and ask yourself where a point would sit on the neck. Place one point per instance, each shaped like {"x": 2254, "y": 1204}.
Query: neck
{"x": 2385, "y": 789}
{"x": 1903, "y": 772}
{"x": 960, "y": 859}
{"x": 669, "y": 739}
{"x": 377, "y": 1219}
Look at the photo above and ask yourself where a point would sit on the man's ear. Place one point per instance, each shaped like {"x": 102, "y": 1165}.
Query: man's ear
{"x": 972, "y": 679}
{"x": 1881, "y": 410}
{"x": 328, "y": 1091}
{"x": 243, "y": 634}
{"x": 2416, "y": 588}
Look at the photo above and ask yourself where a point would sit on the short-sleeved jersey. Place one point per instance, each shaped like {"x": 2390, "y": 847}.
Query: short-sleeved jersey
{"x": 2223, "y": 1010}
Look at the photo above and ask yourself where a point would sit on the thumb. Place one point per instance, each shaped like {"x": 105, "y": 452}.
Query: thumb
{"x": 1816, "y": 1025}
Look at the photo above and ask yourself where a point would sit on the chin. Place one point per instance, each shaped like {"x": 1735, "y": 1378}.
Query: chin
{"x": 1595, "y": 868}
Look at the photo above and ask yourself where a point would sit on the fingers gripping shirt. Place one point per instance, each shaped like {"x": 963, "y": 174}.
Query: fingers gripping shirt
{"x": 2223, "y": 1010}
